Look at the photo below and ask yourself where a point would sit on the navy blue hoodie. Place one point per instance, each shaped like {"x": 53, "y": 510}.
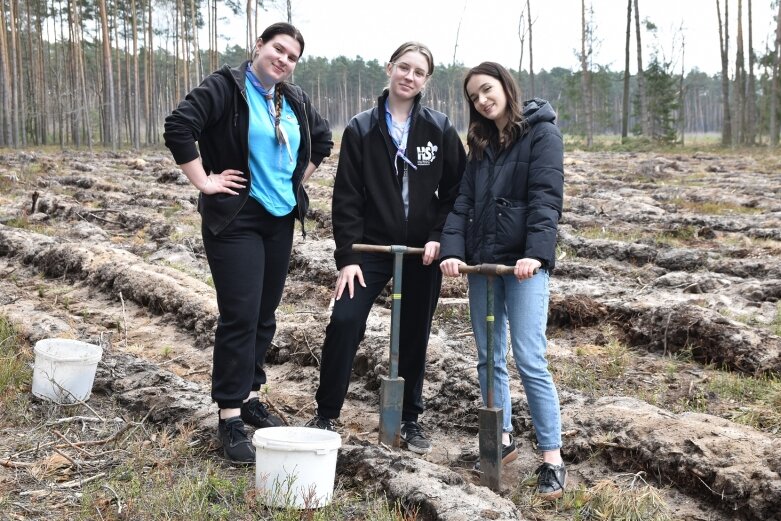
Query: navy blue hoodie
{"x": 510, "y": 202}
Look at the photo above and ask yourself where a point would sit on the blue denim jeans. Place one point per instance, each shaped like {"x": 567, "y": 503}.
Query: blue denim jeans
{"x": 525, "y": 306}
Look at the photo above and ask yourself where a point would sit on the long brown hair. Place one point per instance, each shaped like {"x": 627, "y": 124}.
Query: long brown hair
{"x": 483, "y": 131}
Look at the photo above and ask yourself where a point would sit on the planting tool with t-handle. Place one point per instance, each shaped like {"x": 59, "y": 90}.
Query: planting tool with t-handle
{"x": 490, "y": 417}
{"x": 392, "y": 386}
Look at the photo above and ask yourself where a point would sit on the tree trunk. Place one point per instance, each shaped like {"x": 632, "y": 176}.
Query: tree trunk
{"x": 108, "y": 75}
{"x": 751, "y": 97}
{"x": 625, "y": 108}
{"x": 147, "y": 56}
{"x": 197, "y": 66}
{"x": 32, "y": 87}
{"x": 152, "y": 114}
{"x": 21, "y": 74}
{"x": 15, "y": 87}
{"x": 42, "y": 103}
{"x": 645, "y": 120}
{"x": 585, "y": 78}
{"x": 740, "y": 83}
{"x": 682, "y": 93}
{"x": 250, "y": 37}
{"x": 289, "y": 11}
{"x": 136, "y": 89}
{"x": 775, "y": 89}
{"x": 6, "y": 121}
{"x": 726, "y": 129}
{"x": 531, "y": 52}
{"x": 522, "y": 38}
{"x": 117, "y": 70}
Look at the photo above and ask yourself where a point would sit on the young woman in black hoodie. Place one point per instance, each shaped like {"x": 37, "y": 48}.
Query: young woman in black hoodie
{"x": 399, "y": 168}
{"x": 507, "y": 212}
{"x": 259, "y": 138}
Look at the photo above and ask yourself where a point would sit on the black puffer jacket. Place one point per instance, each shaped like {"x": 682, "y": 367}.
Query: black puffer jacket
{"x": 509, "y": 203}
{"x": 216, "y": 115}
{"x": 367, "y": 204}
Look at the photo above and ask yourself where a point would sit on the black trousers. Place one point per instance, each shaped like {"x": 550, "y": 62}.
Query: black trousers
{"x": 420, "y": 292}
{"x": 248, "y": 261}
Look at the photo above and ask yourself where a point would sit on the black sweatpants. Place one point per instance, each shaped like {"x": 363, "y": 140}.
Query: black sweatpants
{"x": 419, "y": 295}
{"x": 248, "y": 261}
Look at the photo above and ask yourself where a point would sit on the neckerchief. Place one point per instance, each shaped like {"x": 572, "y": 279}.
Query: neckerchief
{"x": 268, "y": 95}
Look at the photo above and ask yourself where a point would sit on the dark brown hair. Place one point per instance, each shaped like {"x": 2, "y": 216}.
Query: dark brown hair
{"x": 483, "y": 131}
{"x": 283, "y": 28}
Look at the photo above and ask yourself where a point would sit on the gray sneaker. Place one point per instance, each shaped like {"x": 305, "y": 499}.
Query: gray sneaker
{"x": 412, "y": 434}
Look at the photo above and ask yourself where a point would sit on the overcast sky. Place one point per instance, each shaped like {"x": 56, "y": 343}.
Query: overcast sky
{"x": 489, "y": 29}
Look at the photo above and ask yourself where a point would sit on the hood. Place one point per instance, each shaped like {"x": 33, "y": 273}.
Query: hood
{"x": 537, "y": 110}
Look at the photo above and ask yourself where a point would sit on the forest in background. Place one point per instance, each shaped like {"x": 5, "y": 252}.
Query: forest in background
{"x": 107, "y": 72}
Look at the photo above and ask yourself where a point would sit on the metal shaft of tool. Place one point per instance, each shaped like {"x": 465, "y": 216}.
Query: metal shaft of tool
{"x": 490, "y": 416}
{"x": 398, "y": 262}
{"x": 489, "y": 342}
{"x": 392, "y": 386}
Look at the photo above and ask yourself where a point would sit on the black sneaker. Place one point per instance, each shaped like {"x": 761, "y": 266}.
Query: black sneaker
{"x": 509, "y": 453}
{"x": 235, "y": 443}
{"x": 412, "y": 433}
{"x": 551, "y": 480}
{"x": 318, "y": 422}
{"x": 256, "y": 414}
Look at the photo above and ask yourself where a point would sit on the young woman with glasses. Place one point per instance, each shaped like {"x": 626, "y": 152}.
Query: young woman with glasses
{"x": 399, "y": 168}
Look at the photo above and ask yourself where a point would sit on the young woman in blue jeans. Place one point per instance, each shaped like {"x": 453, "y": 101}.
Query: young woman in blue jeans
{"x": 507, "y": 212}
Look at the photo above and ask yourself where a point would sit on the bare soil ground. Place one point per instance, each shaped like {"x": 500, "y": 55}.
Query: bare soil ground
{"x": 664, "y": 341}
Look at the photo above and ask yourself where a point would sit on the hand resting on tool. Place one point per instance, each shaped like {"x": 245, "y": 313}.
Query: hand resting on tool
{"x": 524, "y": 268}
{"x": 430, "y": 252}
{"x": 347, "y": 278}
{"x": 450, "y": 266}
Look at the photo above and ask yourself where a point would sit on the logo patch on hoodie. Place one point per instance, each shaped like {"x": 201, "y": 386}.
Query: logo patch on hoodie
{"x": 427, "y": 154}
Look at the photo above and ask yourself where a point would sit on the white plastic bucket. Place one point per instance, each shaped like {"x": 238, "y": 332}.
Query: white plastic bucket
{"x": 295, "y": 466}
{"x": 65, "y": 369}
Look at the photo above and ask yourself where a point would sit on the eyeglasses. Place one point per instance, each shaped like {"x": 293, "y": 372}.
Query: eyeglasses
{"x": 405, "y": 68}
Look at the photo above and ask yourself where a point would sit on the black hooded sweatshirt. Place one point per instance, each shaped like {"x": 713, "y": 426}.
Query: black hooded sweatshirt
{"x": 216, "y": 116}
{"x": 367, "y": 203}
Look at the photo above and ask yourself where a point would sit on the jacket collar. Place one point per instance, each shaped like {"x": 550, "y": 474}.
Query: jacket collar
{"x": 239, "y": 74}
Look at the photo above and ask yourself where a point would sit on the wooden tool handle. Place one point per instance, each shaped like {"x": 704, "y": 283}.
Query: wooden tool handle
{"x": 490, "y": 269}
{"x": 376, "y": 248}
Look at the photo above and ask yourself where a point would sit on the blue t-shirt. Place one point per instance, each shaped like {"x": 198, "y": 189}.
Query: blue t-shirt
{"x": 271, "y": 163}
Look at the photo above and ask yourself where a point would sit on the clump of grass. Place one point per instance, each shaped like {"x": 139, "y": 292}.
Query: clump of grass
{"x": 15, "y": 372}
{"x": 760, "y": 398}
{"x": 170, "y": 211}
{"x": 604, "y": 232}
{"x": 713, "y": 207}
{"x": 609, "y": 501}
{"x": 605, "y": 501}
{"x": 776, "y": 325}
{"x": 597, "y": 367}
{"x": 24, "y": 223}
{"x": 680, "y": 235}
{"x": 188, "y": 488}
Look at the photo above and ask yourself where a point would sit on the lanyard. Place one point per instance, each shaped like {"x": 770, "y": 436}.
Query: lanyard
{"x": 401, "y": 141}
